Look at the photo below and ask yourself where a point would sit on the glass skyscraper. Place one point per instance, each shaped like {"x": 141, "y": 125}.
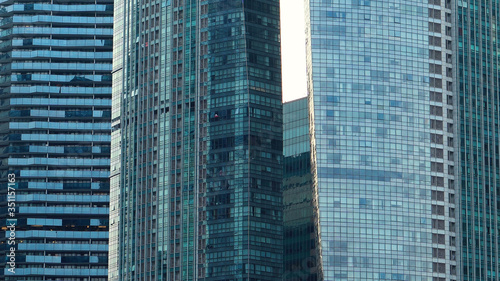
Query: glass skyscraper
{"x": 197, "y": 141}
{"x": 383, "y": 148}
{"x": 300, "y": 213}
{"x": 55, "y": 111}
{"x": 479, "y": 173}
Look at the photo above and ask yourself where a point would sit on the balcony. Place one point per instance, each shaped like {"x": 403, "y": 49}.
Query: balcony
{"x": 6, "y": 34}
{"x": 5, "y": 11}
{"x": 5, "y": 69}
{"x": 6, "y": 46}
{"x": 5, "y": 80}
{"x": 6, "y": 23}
{"x": 6, "y": 2}
{"x": 5, "y": 57}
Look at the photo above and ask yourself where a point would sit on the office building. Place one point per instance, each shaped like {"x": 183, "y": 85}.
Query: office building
{"x": 381, "y": 105}
{"x": 477, "y": 106}
{"x": 55, "y": 109}
{"x": 300, "y": 212}
{"x": 196, "y": 165}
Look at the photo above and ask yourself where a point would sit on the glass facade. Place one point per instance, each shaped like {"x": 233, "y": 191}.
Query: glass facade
{"x": 55, "y": 111}
{"x": 300, "y": 230}
{"x": 381, "y": 115}
{"x": 197, "y": 141}
{"x": 477, "y": 92}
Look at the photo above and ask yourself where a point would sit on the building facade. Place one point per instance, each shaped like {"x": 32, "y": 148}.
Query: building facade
{"x": 477, "y": 84}
{"x": 196, "y": 165}
{"x": 55, "y": 110}
{"x": 383, "y": 148}
{"x": 301, "y": 256}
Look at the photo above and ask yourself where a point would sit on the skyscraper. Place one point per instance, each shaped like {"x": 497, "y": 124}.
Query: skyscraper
{"x": 478, "y": 87}
{"x": 301, "y": 260}
{"x": 197, "y": 141}
{"x": 383, "y": 148}
{"x": 55, "y": 108}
